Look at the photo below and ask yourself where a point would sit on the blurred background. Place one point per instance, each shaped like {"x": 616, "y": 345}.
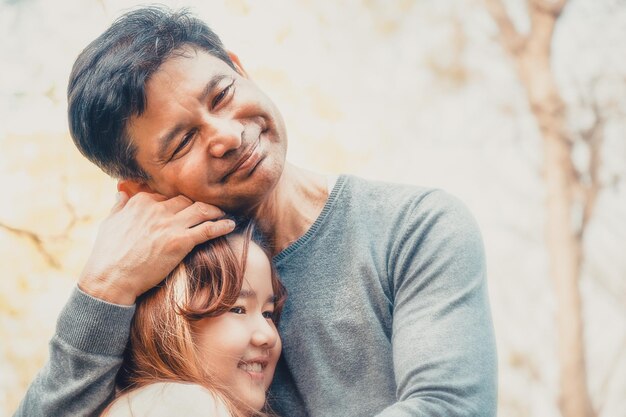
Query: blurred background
{"x": 516, "y": 107}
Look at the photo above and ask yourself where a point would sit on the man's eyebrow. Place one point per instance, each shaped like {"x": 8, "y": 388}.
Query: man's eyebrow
{"x": 210, "y": 86}
{"x": 167, "y": 138}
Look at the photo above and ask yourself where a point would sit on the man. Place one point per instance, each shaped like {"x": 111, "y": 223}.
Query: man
{"x": 387, "y": 312}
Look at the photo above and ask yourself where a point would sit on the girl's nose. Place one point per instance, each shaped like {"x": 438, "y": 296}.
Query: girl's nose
{"x": 265, "y": 333}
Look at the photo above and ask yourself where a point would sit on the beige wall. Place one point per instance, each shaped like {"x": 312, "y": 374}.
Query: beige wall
{"x": 411, "y": 91}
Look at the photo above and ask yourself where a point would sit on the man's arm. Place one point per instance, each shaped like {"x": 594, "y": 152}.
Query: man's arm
{"x": 85, "y": 354}
{"x": 444, "y": 351}
{"x": 138, "y": 244}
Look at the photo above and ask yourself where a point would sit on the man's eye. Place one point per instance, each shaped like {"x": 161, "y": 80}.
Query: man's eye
{"x": 218, "y": 98}
{"x": 183, "y": 143}
{"x": 238, "y": 310}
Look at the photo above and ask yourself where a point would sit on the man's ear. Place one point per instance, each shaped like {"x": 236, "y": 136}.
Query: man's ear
{"x": 233, "y": 57}
{"x": 132, "y": 187}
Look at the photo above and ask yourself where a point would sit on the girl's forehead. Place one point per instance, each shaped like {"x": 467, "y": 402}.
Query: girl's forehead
{"x": 237, "y": 241}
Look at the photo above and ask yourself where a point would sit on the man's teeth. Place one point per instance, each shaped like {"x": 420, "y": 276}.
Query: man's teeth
{"x": 251, "y": 367}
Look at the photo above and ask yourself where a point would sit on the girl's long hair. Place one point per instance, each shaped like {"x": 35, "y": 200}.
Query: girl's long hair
{"x": 161, "y": 346}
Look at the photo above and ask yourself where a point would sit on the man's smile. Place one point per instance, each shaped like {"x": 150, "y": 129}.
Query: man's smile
{"x": 248, "y": 160}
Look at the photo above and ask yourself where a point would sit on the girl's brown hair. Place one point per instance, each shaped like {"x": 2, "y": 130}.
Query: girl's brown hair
{"x": 206, "y": 284}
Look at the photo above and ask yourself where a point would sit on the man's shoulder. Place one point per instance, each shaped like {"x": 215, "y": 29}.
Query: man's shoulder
{"x": 399, "y": 197}
{"x": 360, "y": 184}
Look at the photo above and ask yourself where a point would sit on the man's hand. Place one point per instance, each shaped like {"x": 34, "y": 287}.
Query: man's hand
{"x": 142, "y": 240}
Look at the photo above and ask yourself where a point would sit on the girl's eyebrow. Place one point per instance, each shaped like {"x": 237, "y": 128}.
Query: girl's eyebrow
{"x": 247, "y": 294}
{"x": 252, "y": 294}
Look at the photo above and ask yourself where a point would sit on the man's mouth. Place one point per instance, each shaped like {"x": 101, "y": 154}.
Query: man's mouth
{"x": 247, "y": 160}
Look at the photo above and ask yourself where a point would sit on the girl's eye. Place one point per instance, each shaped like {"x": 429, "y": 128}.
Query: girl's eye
{"x": 268, "y": 314}
{"x": 238, "y": 310}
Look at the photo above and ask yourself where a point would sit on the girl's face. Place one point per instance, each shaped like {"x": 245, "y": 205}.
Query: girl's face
{"x": 241, "y": 347}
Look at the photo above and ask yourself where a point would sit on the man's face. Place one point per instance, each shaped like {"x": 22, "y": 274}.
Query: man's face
{"x": 209, "y": 133}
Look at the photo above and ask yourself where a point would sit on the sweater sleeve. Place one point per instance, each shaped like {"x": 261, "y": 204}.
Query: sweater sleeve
{"x": 444, "y": 353}
{"x": 86, "y": 352}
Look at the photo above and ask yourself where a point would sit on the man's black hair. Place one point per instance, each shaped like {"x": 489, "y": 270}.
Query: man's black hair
{"x": 107, "y": 83}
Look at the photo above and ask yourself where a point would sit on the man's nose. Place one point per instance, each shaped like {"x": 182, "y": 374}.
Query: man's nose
{"x": 264, "y": 333}
{"x": 224, "y": 135}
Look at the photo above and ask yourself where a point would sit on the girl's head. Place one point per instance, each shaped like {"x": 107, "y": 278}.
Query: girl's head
{"x": 212, "y": 322}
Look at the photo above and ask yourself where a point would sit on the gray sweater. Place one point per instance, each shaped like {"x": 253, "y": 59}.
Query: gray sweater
{"x": 387, "y": 315}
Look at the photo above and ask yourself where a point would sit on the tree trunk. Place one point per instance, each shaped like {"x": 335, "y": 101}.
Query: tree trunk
{"x": 564, "y": 241}
{"x": 565, "y": 250}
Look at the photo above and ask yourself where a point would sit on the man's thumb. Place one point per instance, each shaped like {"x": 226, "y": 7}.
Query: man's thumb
{"x": 121, "y": 198}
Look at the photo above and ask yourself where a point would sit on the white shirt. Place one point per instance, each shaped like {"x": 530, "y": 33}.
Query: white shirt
{"x": 168, "y": 399}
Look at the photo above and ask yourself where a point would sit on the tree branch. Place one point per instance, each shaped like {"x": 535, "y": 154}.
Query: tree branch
{"x": 591, "y": 190}
{"x": 40, "y": 242}
{"x": 36, "y": 240}
{"x": 610, "y": 374}
{"x": 543, "y": 15}
{"x": 74, "y": 217}
{"x": 511, "y": 39}
{"x": 589, "y": 185}
{"x": 553, "y": 7}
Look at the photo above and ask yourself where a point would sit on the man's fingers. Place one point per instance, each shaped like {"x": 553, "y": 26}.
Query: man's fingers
{"x": 198, "y": 213}
{"x": 210, "y": 230}
{"x": 178, "y": 203}
{"x": 157, "y": 196}
{"x": 121, "y": 198}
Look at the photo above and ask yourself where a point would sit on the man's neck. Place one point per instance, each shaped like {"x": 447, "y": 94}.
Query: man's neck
{"x": 293, "y": 206}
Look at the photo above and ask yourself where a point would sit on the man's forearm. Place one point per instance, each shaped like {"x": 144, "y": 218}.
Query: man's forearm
{"x": 85, "y": 355}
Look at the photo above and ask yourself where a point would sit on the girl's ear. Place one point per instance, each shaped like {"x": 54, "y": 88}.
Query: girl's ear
{"x": 132, "y": 187}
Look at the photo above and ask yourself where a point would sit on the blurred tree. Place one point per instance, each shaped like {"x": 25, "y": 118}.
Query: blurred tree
{"x": 571, "y": 194}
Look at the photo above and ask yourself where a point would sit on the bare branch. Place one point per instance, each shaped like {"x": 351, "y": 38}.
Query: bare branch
{"x": 589, "y": 185}
{"x": 565, "y": 250}
{"x": 36, "y": 240}
{"x": 553, "y": 7}
{"x": 593, "y": 137}
{"x": 42, "y": 242}
{"x": 512, "y": 40}
{"x": 74, "y": 217}
{"x": 609, "y": 376}
{"x": 543, "y": 15}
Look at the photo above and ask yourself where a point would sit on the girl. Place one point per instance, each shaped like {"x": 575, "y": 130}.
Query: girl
{"x": 204, "y": 341}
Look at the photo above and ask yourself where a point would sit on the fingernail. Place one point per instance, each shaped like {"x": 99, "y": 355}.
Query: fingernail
{"x": 230, "y": 224}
